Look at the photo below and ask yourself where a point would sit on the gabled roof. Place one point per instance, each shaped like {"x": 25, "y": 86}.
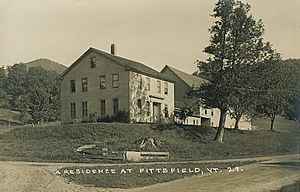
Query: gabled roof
{"x": 190, "y": 80}
{"x": 126, "y": 63}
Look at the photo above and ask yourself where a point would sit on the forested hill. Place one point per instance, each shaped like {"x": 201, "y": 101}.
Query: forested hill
{"x": 47, "y": 64}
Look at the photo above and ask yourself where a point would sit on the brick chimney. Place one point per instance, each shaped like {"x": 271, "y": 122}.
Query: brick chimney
{"x": 112, "y": 49}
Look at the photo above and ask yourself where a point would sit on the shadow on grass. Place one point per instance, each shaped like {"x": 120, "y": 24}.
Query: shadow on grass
{"x": 288, "y": 164}
{"x": 202, "y": 134}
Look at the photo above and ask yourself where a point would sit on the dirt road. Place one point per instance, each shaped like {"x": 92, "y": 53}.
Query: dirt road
{"x": 264, "y": 176}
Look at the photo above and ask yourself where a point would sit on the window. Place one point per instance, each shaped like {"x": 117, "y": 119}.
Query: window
{"x": 205, "y": 111}
{"x": 158, "y": 86}
{"x": 140, "y": 81}
{"x": 148, "y": 108}
{"x": 102, "y": 82}
{"x": 115, "y": 106}
{"x": 103, "y": 108}
{"x": 84, "y": 84}
{"x": 212, "y": 113}
{"x": 115, "y": 80}
{"x": 166, "y": 111}
{"x": 73, "y": 110}
{"x": 148, "y": 83}
{"x": 73, "y": 86}
{"x": 166, "y": 88}
{"x": 139, "y": 103}
{"x": 84, "y": 109}
{"x": 93, "y": 62}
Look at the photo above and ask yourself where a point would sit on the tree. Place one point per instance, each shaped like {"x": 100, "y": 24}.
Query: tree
{"x": 2, "y": 78}
{"x": 236, "y": 42}
{"x": 15, "y": 85}
{"x": 42, "y": 94}
{"x": 4, "y": 99}
{"x": 277, "y": 87}
{"x": 292, "y": 111}
{"x": 34, "y": 92}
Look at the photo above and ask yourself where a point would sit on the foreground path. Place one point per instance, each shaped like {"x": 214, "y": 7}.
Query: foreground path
{"x": 265, "y": 176}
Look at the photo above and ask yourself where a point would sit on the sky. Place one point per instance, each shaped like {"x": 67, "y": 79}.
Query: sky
{"x": 154, "y": 32}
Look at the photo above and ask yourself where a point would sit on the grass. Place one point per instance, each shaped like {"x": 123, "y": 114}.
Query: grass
{"x": 8, "y": 117}
{"x": 115, "y": 177}
{"x": 57, "y": 143}
{"x": 7, "y": 114}
{"x": 281, "y": 124}
{"x": 290, "y": 188}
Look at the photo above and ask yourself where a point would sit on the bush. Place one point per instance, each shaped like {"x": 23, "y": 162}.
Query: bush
{"x": 121, "y": 116}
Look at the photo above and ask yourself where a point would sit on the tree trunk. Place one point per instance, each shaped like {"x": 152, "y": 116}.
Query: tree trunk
{"x": 220, "y": 132}
{"x": 272, "y": 122}
{"x": 237, "y": 120}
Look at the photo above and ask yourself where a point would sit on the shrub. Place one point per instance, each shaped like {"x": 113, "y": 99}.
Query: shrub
{"x": 121, "y": 116}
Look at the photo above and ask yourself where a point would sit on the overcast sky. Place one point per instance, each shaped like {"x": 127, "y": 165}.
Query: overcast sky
{"x": 154, "y": 32}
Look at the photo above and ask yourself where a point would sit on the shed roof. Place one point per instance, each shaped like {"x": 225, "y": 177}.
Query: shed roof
{"x": 190, "y": 80}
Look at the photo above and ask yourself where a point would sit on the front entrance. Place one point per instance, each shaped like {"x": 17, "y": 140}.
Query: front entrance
{"x": 156, "y": 111}
{"x": 205, "y": 121}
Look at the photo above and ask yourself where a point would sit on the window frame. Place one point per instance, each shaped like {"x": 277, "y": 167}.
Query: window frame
{"x": 84, "y": 85}
{"x": 148, "y": 83}
{"x": 102, "y": 77}
{"x": 102, "y": 107}
{"x": 140, "y": 81}
{"x": 166, "y": 88}
{"x": 158, "y": 86}
{"x": 84, "y": 109}
{"x": 148, "y": 108}
{"x": 73, "y": 110}
{"x": 115, "y": 107}
{"x": 71, "y": 86}
{"x": 93, "y": 62}
{"x": 115, "y": 80}
{"x": 166, "y": 111}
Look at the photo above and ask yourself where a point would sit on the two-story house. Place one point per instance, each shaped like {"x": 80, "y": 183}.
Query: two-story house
{"x": 103, "y": 84}
{"x": 203, "y": 116}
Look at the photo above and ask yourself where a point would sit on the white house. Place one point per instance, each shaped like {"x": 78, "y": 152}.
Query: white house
{"x": 101, "y": 84}
{"x": 202, "y": 116}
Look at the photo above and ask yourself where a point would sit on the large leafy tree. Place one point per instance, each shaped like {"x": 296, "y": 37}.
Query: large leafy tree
{"x": 34, "y": 91}
{"x": 4, "y": 99}
{"x": 236, "y": 42}
{"x": 15, "y": 85}
{"x": 42, "y": 95}
{"x": 292, "y": 111}
{"x": 278, "y": 85}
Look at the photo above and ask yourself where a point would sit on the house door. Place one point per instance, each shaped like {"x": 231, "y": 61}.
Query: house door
{"x": 156, "y": 111}
{"x": 205, "y": 121}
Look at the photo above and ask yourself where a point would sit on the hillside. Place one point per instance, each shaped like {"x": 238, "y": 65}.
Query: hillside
{"x": 281, "y": 124}
{"x": 47, "y": 64}
{"x": 58, "y": 142}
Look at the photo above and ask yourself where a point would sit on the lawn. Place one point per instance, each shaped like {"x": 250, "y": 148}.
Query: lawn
{"x": 57, "y": 143}
{"x": 281, "y": 124}
{"x": 290, "y": 188}
{"x": 8, "y": 114}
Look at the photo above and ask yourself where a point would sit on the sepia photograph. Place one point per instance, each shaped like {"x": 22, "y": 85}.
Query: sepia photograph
{"x": 149, "y": 96}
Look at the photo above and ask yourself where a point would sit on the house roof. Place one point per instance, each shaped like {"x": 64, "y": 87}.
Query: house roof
{"x": 126, "y": 63}
{"x": 190, "y": 80}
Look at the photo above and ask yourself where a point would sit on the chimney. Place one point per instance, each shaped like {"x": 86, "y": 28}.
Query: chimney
{"x": 112, "y": 49}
